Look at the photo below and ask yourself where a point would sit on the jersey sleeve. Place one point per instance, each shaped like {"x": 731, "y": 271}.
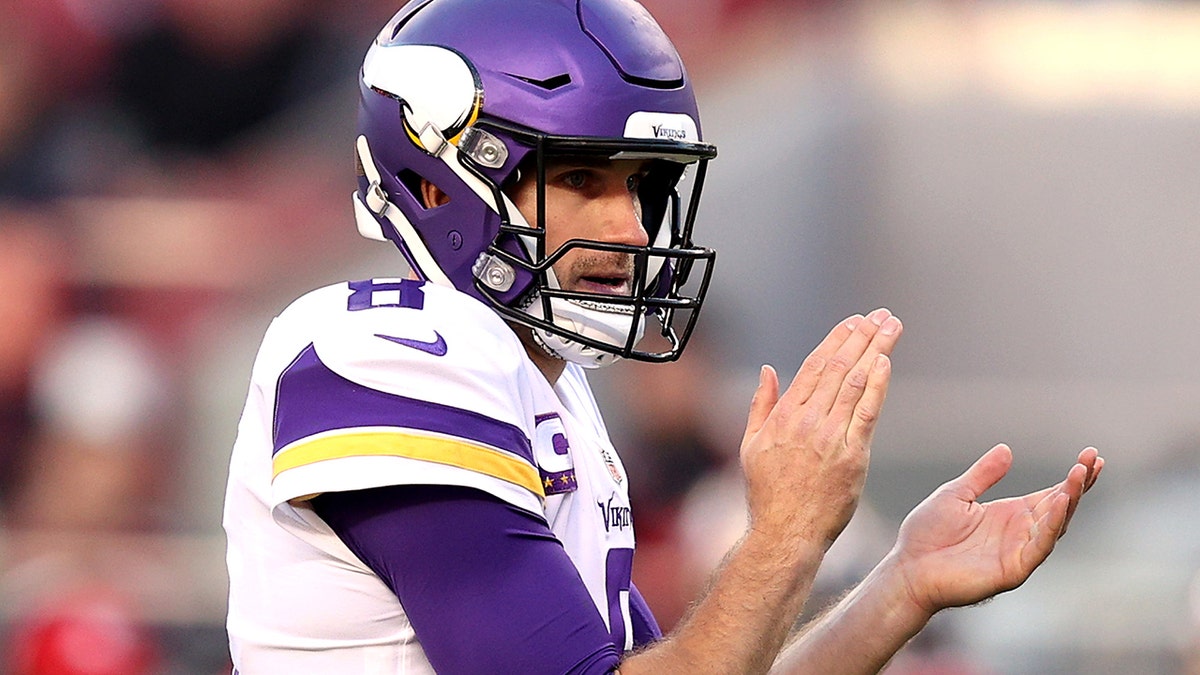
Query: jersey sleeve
{"x": 417, "y": 391}
{"x": 500, "y": 596}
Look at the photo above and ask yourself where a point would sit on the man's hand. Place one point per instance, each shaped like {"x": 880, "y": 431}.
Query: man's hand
{"x": 805, "y": 457}
{"x": 805, "y": 453}
{"x": 954, "y": 550}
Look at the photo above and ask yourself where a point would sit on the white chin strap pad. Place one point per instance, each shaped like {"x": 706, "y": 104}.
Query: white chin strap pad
{"x": 609, "y": 327}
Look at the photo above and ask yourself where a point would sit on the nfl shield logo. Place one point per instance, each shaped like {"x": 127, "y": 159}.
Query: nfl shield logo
{"x": 612, "y": 466}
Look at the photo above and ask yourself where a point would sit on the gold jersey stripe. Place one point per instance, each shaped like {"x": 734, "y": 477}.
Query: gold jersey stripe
{"x": 391, "y": 444}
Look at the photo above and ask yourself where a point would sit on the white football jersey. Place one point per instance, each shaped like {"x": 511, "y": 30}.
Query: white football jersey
{"x": 387, "y": 382}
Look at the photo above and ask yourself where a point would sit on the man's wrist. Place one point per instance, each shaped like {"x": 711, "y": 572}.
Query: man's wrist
{"x": 897, "y": 600}
{"x": 786, "y": 556}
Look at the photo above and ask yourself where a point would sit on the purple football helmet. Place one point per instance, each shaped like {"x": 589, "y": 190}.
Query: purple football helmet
{"x": 471, "y": 94}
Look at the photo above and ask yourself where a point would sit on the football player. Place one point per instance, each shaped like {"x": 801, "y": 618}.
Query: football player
{"x": 422, "y": 481}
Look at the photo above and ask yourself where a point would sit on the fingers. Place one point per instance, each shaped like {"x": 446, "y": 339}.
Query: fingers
{"x": 845, "y": 374}
{"x": 1094, "y": 474}
{"x": 983, "y": 474}
{"x": 1071, "y": 487}
{"x": 870, "y": 403}
{"x": 763, "y": 402}
{"x": 1091, "y": 460}
{"x": 848, "y": 374}
{"x": 814, "y": 365}
{"x": 1080, "y": 479}
{"x": 1046, "y": 530}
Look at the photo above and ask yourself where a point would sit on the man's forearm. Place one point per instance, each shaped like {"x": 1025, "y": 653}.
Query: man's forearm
{"x": 805, "y": 454}
{"x": 747, "y": 613}
{"x": 861, "y": 632}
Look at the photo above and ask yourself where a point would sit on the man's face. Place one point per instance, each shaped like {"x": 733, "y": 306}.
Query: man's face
{"x": 594, "y": 200}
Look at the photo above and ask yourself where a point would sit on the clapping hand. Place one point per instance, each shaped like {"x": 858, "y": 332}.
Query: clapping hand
{"x": 955, "y": 550}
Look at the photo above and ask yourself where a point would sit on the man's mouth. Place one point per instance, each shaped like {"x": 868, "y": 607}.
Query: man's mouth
{"x": 600, "y": 273}
{"x": 605, "y": 284}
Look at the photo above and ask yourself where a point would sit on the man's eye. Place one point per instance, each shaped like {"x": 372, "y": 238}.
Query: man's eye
{"x": 633, "y": 182}
{"x": 575, "y": 179}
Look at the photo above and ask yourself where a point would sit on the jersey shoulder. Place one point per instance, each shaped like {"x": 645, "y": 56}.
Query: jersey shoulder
{"x": 366, "y": 320}
{"x": 399, "y": 336}
{"x": 396, "y": 381}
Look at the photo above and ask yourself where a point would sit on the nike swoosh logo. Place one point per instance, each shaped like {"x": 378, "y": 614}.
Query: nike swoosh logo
{"x": 437, "y": 347}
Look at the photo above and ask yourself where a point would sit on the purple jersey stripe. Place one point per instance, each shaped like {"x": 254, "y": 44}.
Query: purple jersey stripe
{"x": 645, "y": 627}
{"x": 312, "y": 399}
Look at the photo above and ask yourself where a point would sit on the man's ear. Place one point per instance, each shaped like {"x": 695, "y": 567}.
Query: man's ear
{"x": 432, "y": 195}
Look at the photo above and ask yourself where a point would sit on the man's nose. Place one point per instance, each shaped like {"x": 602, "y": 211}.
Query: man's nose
{"x": 625, "y": 221}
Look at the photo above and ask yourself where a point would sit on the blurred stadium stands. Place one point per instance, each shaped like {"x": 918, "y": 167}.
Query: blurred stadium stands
{"x": 1016, "y": 180}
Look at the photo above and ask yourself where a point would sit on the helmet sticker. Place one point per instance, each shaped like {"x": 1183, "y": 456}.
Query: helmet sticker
{"x": 662, "y": 126}
{"x": 439, "y": 90}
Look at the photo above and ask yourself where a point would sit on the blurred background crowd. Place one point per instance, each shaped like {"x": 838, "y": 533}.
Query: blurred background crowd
{"x": 1016, "y": 180}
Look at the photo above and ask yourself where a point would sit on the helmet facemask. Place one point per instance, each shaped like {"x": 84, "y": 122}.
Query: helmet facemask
{"x": 596, "y": 328}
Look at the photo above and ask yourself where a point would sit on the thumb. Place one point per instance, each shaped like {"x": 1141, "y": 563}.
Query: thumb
{"x": 984, "y": 473}
{"x": 765, "y": 398}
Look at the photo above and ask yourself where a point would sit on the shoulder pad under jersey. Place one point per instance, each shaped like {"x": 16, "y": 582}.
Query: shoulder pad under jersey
{"x": 402, "y": 382}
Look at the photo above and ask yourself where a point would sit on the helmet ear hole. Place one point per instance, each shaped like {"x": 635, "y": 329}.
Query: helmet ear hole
{"x": 432, "y": 196}
{"x": 423, "y": 191}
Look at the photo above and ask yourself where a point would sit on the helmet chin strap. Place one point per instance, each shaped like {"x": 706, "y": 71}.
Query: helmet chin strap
{"x": 610, "y": 327}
